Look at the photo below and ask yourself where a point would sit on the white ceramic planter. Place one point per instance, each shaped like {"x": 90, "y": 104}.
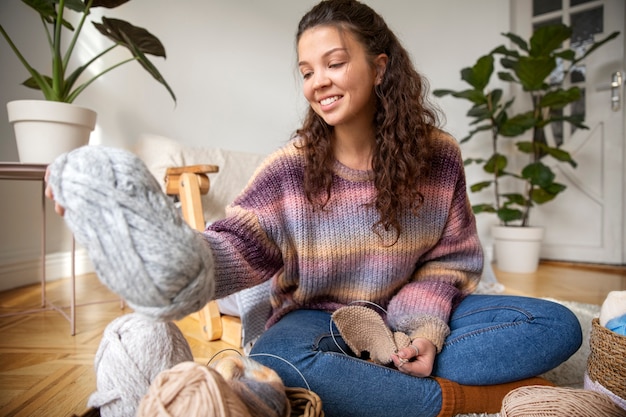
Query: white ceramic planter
{"x": 517, "y": 248}
{"x": 47, "y": 129}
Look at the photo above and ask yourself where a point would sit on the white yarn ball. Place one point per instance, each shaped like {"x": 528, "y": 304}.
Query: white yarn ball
{"x": 133, "y": 351}
{"x": 613, "y": 306}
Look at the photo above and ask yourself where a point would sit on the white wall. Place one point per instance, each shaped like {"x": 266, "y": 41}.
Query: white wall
{"x": 232, "y": 67}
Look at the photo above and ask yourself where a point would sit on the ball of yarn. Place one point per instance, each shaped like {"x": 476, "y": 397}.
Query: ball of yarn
{"x": 140, "y": 246}
{"x": 545, "y": 401}
{"x": 191, "y": 390}
{"x": 260, "y": 387}
{"x": 596, "y": 386}
{"x": 134, "y": 349}
{"x": 614, "y": 305}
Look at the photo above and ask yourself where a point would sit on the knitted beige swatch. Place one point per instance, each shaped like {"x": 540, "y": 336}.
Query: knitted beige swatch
{"x": 364, "y": 330}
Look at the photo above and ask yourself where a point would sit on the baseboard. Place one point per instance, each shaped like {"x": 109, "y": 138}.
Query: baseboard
{"x": 19, "y": 273}
{"x": 610, "y": 268}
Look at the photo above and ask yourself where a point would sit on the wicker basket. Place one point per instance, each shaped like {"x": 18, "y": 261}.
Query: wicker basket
{"x": 304, "y": 403}
{"x": 606, "y": 364}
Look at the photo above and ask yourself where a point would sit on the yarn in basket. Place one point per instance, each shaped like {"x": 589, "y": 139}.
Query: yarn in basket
{"x": 260, "y": 387}
{"x": 544, "y": 401}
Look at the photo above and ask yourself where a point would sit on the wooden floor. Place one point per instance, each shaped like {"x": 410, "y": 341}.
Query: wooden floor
{"x": 44, "y": 371}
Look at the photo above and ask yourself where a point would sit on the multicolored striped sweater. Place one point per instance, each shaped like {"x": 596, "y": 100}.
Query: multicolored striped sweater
{"x": 326, "y": 259}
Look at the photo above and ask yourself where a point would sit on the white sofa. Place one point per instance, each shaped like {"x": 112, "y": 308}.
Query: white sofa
{"x": 235, "y": 168}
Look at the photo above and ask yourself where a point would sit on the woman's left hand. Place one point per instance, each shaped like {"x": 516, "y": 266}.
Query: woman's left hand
{"x": 417, "y": 359}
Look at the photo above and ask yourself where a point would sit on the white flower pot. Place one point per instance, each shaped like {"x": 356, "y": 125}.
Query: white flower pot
{"x": 517, "y": 248}
{"x": 46, "y": 129}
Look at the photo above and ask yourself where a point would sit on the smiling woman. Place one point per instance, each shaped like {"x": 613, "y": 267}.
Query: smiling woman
{"x": 232, "y": 68}
{"x": 366, "y": 204}
{"x": 339, "y": 81}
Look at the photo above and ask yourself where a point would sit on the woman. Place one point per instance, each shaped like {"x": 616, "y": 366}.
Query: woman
{"x": 368, "y": 203}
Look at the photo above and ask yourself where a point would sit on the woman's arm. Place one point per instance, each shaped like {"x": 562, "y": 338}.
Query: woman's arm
{"x": 451, "y": 269}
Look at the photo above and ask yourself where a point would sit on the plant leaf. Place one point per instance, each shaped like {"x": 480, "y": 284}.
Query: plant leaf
{"x": 514, "y": 198}
{"x": 517, "y": 40}
{"x": 538, "y": 174}
{"x": 483, "y": 208}
{"x": 473, "y": 132}
{"x": 109, "y": 4}
{"x": 526, "y": 146}
{"x": 516, "y": 125}
{"x": 479, "y": 186}
{"x": 497, "y": 163}
{"x": 509, "y": 215}
{"x": 469, "y": 161}
{"x": 506, "y": 76}
{"x": 555, "y": 188}
{"x": 596, "y": 45}
{"x": 495, "y": 96}
{"x": 561, "y": 155}
{"x": 480, "y": 112}
{"x": 568, "y": 54}
{"x": 475, "y": 96}
{"x": 542, "y": 195}
{"x": 532, "y": 71}
{"x": 575, "y": 119}
{"x": 32, "y": 83}
{"x": 560, "y": 98}
{"x": 442, "y": 92}
{"x": 47, "y": 10}
{"x": 44, "y": 7}
{"x": 478, "y": 76}
{"x": 547, "y": 39}
{"x": 75, "y": 5}
{"x": 130, "y": 36}
{"x": 503, "y": 50}
{"x": 145, "y": 62}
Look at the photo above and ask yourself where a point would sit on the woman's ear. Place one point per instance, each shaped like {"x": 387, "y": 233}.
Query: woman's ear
{"x": 380, "y": 63}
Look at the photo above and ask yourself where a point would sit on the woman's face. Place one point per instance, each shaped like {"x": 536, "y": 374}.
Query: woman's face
{"x": 339, "y": 77}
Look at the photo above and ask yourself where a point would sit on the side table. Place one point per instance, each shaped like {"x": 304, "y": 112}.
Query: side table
{"x": 37, "y": 172}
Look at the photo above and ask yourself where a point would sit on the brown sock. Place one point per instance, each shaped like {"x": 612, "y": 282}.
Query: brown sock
{"x": 464, "y": 399}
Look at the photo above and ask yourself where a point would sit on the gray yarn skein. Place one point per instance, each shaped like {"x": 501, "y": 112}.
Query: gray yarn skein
{"x": 134, "y": 349}
{"x": 141, "y": 247}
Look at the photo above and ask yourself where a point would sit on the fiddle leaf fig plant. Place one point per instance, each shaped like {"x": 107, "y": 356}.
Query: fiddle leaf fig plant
{"x": 62, "y": 84}
{"x": 529, "y": 65}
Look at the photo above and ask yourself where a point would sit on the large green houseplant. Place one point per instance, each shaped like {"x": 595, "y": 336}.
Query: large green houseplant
{"x": 63, "y": 84}
{"x": 528, "y": 66}
{"x": 60, "y": 84}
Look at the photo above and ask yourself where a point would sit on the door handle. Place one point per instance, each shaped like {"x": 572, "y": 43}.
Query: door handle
{"x": 616, "y": 90}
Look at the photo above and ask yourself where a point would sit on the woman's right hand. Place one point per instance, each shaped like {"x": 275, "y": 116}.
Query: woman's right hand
{"x": 57, "y": 207}
{"x": 417, "y": 359}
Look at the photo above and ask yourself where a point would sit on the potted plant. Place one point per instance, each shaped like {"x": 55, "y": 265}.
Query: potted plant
{"x": 63, "y": 85}
{"x": 515, "y": 192}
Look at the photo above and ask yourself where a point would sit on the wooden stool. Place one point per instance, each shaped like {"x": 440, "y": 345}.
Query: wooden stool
{"x": 189, "y": 183}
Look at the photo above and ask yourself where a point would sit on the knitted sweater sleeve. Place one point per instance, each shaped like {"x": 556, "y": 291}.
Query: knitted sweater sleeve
{"x": 244, "y": 252}
{"x": 451, "y": 269}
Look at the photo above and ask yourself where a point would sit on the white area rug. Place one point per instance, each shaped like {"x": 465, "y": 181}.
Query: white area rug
{"x": 572, "y": 372}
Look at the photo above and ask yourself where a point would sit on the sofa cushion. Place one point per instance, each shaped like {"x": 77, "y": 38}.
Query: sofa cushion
{"x": 235, "y": 168}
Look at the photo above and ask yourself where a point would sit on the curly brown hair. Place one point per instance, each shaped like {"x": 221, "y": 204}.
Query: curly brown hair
{"x": 404, "y": 120}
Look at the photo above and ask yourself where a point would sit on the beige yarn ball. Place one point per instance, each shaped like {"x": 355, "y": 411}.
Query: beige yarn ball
{"x": 191, "y": 390}
{"x": 546, "y": 401}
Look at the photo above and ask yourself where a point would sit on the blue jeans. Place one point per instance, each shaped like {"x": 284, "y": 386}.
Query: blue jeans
{"x": 494, "y": 339}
